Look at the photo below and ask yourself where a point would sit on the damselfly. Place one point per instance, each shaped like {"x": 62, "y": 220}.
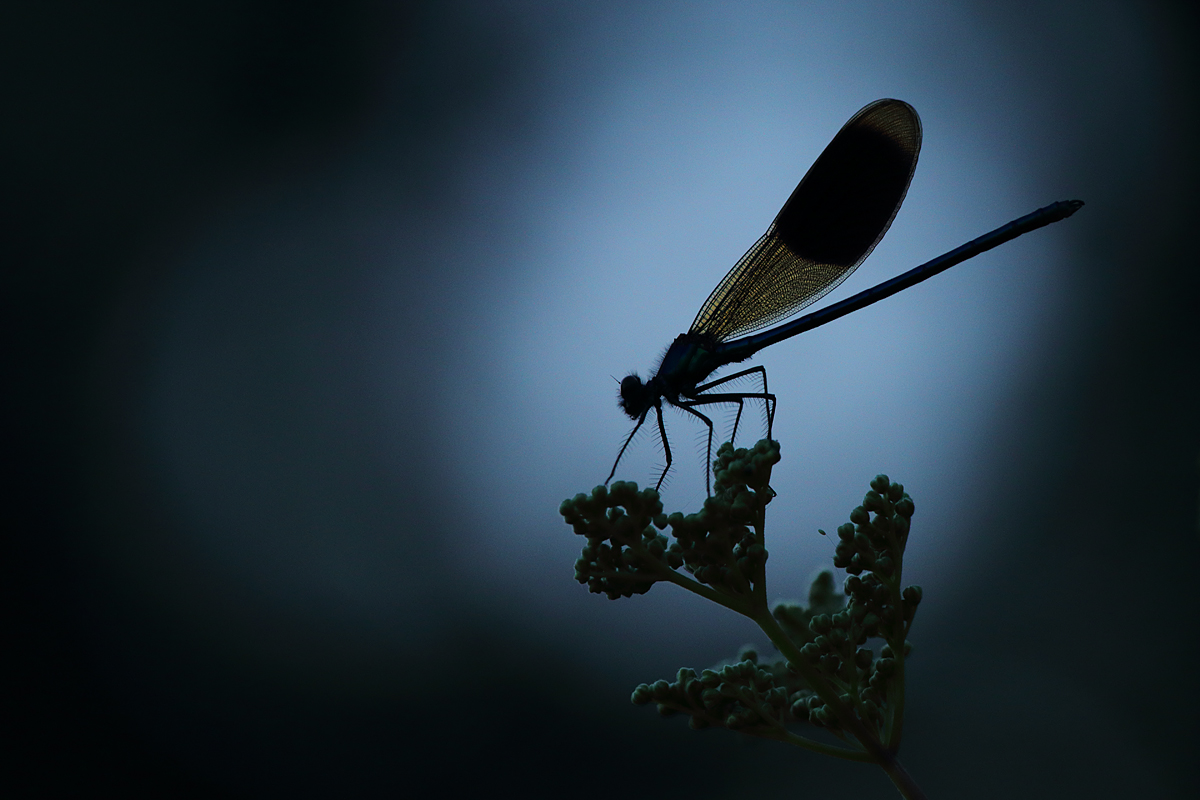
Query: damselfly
{"x": 837, "y": 214}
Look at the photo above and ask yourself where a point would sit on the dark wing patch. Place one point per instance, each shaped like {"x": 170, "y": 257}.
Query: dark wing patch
{"x": 837, "y": 214}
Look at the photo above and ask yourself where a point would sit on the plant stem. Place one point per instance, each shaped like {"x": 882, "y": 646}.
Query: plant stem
{"x": 903, "y": 781}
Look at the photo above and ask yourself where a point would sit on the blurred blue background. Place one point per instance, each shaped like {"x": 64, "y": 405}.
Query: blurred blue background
{"x": 313, "y": 317}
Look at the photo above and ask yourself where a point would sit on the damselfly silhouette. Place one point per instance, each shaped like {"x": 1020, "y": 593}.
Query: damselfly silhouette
{"x": 837, "y": 214}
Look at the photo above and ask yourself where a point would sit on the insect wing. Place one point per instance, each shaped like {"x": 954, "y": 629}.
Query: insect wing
{"x": 837, "y": 214}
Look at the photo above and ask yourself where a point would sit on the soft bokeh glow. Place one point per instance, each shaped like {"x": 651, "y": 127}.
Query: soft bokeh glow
{"x": 321, "y": 365}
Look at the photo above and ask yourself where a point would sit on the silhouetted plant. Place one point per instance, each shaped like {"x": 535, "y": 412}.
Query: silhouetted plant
{"x": 826, "y": 675}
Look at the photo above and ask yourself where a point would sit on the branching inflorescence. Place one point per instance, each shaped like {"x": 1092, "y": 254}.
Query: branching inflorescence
{"x": 827, "y": 674}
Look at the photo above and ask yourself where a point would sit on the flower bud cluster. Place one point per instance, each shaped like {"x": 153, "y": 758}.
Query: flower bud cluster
{"x": 745, "y": 696}
{"x": 622, "y": 527}
{"x": 871, "y": 548}
{"x": 877, "y": 532}
{"x": 721, "y": 545}
{"x": 834, "y": 669}
{"x": 832, "y": 633}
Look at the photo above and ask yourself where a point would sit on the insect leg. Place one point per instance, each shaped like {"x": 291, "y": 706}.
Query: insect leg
{"x": 713, "y": 399}
{"x": 759, "y": 369}
{"x": 662, "y": 431}
{"x": 687, "y": 406}
{"x": 765, "y": 396}
{"x": 629, "y": 439}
